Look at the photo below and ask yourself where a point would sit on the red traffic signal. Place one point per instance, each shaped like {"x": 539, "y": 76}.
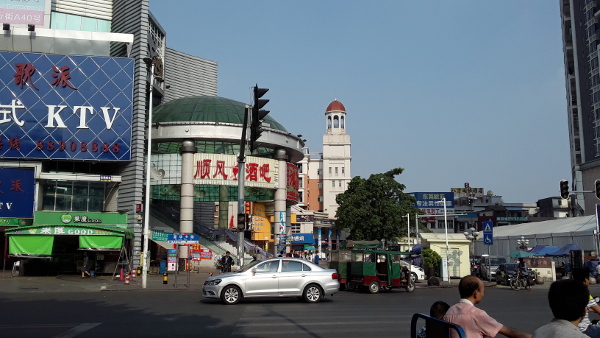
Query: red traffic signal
{"x": 564, "y": 189}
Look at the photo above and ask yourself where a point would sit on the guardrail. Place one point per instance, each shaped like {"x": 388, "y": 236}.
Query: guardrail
{"x": 435, "y": 327}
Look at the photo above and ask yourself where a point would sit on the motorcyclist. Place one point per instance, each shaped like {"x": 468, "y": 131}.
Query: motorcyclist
{"x": 525, "y": 274}
{"x": 226, "y": 262}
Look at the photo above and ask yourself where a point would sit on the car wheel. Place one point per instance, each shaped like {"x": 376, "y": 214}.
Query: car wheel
{"x": 414, "y": 277}
{"x": 350, "y": 286}
{"x": 374, "y": 287}
{"x": 410, "y": 287}
{"x": 312, "y": 293}
{"x": 231, "y": 294}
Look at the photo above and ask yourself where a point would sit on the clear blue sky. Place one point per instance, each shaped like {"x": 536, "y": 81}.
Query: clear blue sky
{"x": 451, "y": 91}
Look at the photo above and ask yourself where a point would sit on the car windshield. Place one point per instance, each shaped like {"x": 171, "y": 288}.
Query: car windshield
{"x": 497, "y": 261}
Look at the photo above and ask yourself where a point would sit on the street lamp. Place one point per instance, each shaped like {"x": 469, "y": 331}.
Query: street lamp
{"x": 472, "y": 237}
{"x": 408, "y": 230}
{"x": 523, "y": 243}
{"x": 146, "y": 233}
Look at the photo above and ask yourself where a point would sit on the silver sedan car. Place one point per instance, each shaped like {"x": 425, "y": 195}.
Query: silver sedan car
{"x": 274, "y": 277}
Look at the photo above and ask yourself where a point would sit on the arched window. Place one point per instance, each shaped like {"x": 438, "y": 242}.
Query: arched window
{"x": 343, "y": 124}
{"x": 336, "y": 122}
{"x": 328, "y": 122}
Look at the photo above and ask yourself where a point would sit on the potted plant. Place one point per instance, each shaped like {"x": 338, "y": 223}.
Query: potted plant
{"x": 431, "y": 260}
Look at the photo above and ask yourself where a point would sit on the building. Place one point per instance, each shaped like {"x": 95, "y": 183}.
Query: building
{"x": 322, "y": 176}
{"x": 581, "y": 36}
{"x": 85, "y": 168}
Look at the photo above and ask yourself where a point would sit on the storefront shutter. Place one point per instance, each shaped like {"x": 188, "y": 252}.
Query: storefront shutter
{"x": 100, "y": 242}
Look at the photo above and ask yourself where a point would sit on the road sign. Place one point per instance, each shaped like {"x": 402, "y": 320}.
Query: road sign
{"x": 488, "y": 233}
{"x": 183, "y": 239}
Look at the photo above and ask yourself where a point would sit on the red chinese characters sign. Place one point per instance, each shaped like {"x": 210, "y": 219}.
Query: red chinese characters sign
{"x": 292, "y": 183}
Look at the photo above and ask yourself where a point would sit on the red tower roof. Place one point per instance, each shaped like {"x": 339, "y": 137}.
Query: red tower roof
{"x": 335, "y": 105}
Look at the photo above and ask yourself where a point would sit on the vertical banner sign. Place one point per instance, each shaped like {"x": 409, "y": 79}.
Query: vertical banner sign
{"x": 280, "y": 223}
{"x": 66, "y": 107}
{"x": 172, "y": 260}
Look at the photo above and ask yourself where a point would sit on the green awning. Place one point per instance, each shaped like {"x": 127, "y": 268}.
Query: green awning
{"x": 100, "y": 242}
{"x": 30, "y": 245}
{"x": 79, "y": 230}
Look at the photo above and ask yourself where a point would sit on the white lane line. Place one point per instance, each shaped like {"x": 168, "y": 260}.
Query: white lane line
{"x": 77, "y": 330}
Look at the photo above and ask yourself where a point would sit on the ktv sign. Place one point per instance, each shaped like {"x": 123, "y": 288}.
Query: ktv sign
{"x": 65, "y": 107}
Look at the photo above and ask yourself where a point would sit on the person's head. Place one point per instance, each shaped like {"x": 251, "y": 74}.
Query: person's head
{"x": 227, "y": 253}
{"x": 438, "y": 309}
{"x": 471, "y": 287}
{"x": 568, "y": 299}
{"x": 581, "y": 275}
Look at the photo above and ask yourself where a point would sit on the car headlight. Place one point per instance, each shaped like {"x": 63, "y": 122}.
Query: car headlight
{"x": 213, "y": 282}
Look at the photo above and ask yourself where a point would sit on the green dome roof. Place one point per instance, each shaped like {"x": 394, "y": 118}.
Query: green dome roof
{"x": 205, "y": 109}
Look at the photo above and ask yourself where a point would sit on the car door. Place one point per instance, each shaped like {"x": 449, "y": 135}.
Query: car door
{"x": 293, "y": 277}
{"x": 263, "y": 279}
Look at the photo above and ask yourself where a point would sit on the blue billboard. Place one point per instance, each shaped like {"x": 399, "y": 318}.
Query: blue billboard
{"x": 431, "y": 202}
{"x": 65, "y": 107}
{"x": 17, "y": 189}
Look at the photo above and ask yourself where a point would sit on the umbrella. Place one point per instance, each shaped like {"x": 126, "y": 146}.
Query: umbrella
{"x": 308, "y": 247}
{"x": 520, "y": 254}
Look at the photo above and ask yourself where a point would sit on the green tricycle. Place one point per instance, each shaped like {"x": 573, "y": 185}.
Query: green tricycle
{"x": 371, "y": 270}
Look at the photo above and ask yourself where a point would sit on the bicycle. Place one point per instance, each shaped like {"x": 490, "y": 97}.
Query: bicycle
{"x": 519, "y": 279}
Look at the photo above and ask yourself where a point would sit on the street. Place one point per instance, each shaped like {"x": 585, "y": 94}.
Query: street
{"x": 186, "y": 313}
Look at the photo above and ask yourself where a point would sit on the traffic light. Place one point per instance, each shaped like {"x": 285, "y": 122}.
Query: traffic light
{"x": 257, "y": 116}
{"x": 597, "y": 189}
{"x": 241, "y": 221}
{"x": 564, "y": 189}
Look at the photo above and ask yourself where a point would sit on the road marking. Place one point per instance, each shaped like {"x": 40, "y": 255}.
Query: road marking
{"x": 77, "y": 330}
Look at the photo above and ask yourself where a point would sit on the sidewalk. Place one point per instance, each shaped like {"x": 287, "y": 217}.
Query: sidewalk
{"x": 74, "y": 283}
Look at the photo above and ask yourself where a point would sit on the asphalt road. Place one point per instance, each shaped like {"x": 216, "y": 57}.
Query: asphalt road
{"x": 185, "y": 313}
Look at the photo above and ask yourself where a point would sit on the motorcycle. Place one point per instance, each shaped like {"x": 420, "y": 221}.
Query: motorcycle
{"x": 521, "y": 280}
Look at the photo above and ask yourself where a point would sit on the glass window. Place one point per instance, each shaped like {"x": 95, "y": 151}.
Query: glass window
{"x": 288, "y": 266}
{"x": 305, "y": 267}
{"x": 343, "y": 170}
{"x": 73, "y": 196}
{"x": 330, "y": 170}
{"x": 336, "y": 170}
{"x": 332, "y": 184}
{"x": 268, "y": 267}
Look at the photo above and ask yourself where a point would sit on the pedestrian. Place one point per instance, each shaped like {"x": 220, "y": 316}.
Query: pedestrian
{"x": 582, "y": 275}
{"x": 226, "y": 262}
{"x": 474, "y": 321}
{"x": 431, "y": 329}
{"x": 85, "y": 269}
{"x": 568, "y": 300}
{"x": 598, "y": 272}
{"x": 317, "y": 258}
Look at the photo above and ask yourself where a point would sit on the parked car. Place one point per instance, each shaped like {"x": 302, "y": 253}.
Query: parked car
{"x": 489, "y": 262}
{"x": 275, "y": 277}
{"x": 505, "y": 271}
{"x": 416, "y": 272}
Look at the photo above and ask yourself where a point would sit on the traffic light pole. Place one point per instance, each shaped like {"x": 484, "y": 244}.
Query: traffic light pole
{"x": 241, "y": 178}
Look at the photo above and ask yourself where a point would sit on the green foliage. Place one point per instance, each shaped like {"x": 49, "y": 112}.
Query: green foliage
{"x": 372, "y": 209}
{"x": 431, "y": 258}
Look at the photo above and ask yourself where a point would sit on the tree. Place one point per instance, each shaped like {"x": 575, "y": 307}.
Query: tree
{"x": 372, "y": 209}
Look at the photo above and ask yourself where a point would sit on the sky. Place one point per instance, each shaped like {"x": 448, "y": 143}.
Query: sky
{"x": 452, "y": 91}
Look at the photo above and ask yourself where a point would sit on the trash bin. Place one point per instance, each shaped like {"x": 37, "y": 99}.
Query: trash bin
{"x": 163, "y": 267}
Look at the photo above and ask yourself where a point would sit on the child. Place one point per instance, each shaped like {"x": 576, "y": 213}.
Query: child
{"x": 437, "y": 310}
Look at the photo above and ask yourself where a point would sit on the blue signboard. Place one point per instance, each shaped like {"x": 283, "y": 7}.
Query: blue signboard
{"x": 303, "y": 238}
{"x": 488, "y": 233}
{"x": 183, "y": 239}
{"x": 431, "y": 202}
{"x": 17, "y": 188}
{"x": 65, "y": 107}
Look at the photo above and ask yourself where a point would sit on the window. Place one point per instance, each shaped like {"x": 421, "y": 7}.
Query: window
{"x": 295, "y": 228}
{"x": 330, "y": 170}
{"x": 320, "y": 198}
{"x": 333, "y": 184}
{"x": 339, "y": 183}
{"x": 319, "y": 172}
{"x": 73, "y": 196}
{"x": 268, "y": 267}
{"x": 343, "y": 171}
{"x": 320, "y": 185}
{"x": 289, "y": 266}
{"x": 336, "y": 170}
{"x": 300, "y": 182}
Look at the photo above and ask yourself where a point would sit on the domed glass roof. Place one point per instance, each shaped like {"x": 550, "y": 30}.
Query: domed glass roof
{"x": 205, "y": 109}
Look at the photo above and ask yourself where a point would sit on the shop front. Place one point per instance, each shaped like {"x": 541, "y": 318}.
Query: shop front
{"x": 303, "y": 242}
{"x": 56, "y": 242}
